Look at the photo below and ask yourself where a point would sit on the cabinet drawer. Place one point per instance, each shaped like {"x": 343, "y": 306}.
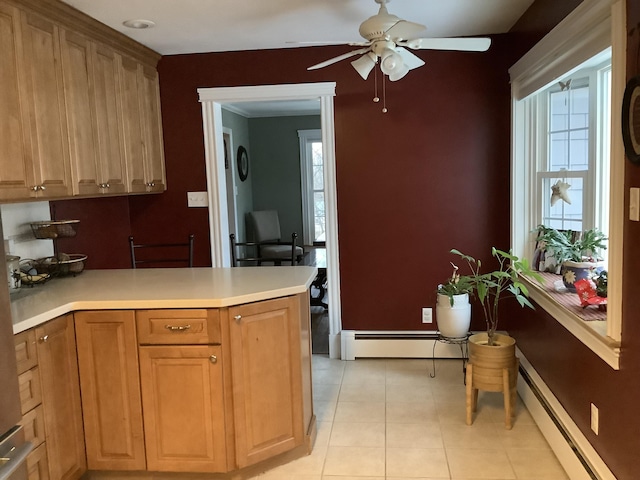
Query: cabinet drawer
{"x": 178, "y": 327}
{"x": 33, "y": 423}
{"x": 37, "y": 464}
{"x": 30, "y": 390}
{"x": 26, "y": 355}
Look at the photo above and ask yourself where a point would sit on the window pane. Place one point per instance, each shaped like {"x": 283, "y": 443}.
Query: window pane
{"x": 579, "y": 150}
{"x": 563, "y": 215}
{"x": 559, "y": 108}
{"x": 579, "y": 108}
{"x": 319, "y": 216}
{"x": 558, "y": 151}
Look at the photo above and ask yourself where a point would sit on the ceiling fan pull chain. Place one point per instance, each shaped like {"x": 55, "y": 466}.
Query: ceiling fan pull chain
{"x": 384, "y": 95}
{"x": 376, "y": 99}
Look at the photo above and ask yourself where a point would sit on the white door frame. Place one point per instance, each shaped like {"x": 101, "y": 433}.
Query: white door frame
{"x": 212, "y": 100}
{"x": 230, "y": 181}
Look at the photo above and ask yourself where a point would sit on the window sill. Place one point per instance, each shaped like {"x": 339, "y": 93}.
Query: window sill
{"x": 603, "y": 346}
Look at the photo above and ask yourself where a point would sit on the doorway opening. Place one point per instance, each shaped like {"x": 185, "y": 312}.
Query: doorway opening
{"x": 212, "y": 100}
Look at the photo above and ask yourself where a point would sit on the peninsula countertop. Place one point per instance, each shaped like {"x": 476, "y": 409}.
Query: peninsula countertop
{"x": 155, "y": 288}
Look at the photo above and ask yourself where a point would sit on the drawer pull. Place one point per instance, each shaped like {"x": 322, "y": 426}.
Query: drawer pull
{"x": 179, "y": 328}
{"x": 213, "y": 359}
{"x": 44, "y": 339}
{"x": 237, "y": 318}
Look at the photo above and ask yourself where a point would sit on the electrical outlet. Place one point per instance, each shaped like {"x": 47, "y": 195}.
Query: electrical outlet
{"x": 197, "y": 199}
{"x": 427, "y": 315}
{"x": 595, "y": 420}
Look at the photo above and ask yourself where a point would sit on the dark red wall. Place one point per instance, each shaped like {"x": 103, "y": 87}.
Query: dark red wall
{"x": 575, "y": 374}
{"x": 430, "y": 175}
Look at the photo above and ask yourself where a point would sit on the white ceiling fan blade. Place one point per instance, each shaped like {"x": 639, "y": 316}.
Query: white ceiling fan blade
{"x": 365, "y": 64}
{"x": 410, "y": 60}
{"x": 404, "y": 29}
{"x": 330, "y": 42}
{"x": 474, "y": 44}
{"x": 338, "y": 58}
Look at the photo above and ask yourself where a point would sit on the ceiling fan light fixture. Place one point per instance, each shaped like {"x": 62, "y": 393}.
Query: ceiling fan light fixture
{"x": 365, "y": 64}
{"x": 391, "y": 63}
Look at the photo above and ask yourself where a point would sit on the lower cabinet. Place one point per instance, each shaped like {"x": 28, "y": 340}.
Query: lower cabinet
{"x": 266, "y": 378}
{"x": 58, "y": 365}
{"x": 110, "y": 382}
{"x": 179, "y": 390}
{"x": 183, "y": 403}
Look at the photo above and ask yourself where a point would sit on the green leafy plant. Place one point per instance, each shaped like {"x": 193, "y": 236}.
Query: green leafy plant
{"x": 569, "y": 245}
{"x": 491, "y": 287}
{"x": 456, "y": 284}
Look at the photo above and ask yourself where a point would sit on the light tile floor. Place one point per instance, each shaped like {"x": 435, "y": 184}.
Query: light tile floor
{"x": 388, "y": 419}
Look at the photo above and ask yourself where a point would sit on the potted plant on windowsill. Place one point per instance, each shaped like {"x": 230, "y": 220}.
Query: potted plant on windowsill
{"x": 453, "y": 310}
{"x": 492, "y": 359}
{"x": 577, "y": 254}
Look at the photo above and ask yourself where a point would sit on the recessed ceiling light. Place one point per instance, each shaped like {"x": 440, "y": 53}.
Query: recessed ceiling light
{"x": 139, "y": 24}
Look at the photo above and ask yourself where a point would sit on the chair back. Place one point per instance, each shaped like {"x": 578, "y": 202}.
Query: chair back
{"x": 152, "y": 254}
{"x": 257, "y": 253}
{"x": 265, "y": 225}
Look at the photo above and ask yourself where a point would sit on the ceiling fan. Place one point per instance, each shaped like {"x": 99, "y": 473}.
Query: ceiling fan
{"x": 387, "y": 36}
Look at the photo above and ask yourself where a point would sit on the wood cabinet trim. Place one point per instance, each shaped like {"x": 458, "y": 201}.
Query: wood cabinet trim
{"x": 73, "y": 19}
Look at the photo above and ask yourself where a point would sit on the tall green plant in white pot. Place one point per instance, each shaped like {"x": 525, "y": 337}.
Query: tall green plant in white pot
{"x": 492, "y": 359}
{"x": 453, "y": 309}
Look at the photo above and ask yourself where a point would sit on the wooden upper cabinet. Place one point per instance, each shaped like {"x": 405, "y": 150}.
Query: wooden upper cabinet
{"x": 58, "y": 365}
{"x": 15, "y": 163}
{"x": 152, "y": 130}
{"x": 91, "y": 86}
{"x": 51, "y": 175}
{"x": 142, "y": 124}
{"x": 65, "y": 114}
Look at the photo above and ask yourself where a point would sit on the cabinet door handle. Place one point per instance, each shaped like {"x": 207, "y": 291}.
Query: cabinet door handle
{"x": 213, "y": 359}
{"x": 44, "y": 339}
{"x": 237, "y": 318}
{"x": 179, "y": 328}
{"x": 104, "y": 185}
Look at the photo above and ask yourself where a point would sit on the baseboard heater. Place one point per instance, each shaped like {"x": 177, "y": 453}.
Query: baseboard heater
{"x": 395, "y": 344}
{"x": 577, "y": 456}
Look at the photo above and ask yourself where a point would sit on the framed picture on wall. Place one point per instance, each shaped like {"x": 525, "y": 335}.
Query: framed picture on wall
{"x": 243, "y": 163}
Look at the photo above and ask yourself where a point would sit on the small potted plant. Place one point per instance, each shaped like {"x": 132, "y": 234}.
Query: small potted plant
{"x": 453, "y": 310}
{"x": 577, "y": 254}
{"x": 493, "y": 365}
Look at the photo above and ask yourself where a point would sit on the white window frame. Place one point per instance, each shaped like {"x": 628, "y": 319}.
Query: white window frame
{"x": 306, "y": 137}
{"x": 591, "y": 28}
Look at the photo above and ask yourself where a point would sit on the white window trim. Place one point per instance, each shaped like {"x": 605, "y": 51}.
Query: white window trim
{"x": 306, "y": 168}
{"x": 592, "y": 27}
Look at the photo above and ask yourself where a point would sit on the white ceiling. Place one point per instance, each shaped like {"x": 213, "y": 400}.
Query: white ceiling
{"x": 198, "y": 26}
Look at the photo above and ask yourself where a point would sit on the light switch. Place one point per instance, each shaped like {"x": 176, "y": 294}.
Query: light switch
{"x": 634, "y": 204}
{"x": 197, "y": 199}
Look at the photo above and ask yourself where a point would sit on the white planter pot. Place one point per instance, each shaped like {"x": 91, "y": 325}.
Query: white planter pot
{"x": 573, "y": 271}
{"x": 453, "y": 321}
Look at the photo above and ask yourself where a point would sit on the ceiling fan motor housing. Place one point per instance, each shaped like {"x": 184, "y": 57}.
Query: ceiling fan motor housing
{"x": 376, "y": 26}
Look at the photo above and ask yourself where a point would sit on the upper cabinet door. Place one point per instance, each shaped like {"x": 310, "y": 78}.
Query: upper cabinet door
{"x": 143, "y": 128}
{"x": 152, "y": 130}
{"x": 15, "y": 156}
{"x": 76, "y": 69}
{"x": 45, "y": 104}
{"x": 132, "y": 125}
{"x": 106, "y": 91}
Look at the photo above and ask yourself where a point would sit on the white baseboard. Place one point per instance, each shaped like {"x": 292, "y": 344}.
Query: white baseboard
{"x": 395, "y": 344}
{"x": 577, "y": 456}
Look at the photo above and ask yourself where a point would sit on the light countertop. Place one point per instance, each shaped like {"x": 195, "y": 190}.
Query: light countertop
{"x": 155, "y": 288}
